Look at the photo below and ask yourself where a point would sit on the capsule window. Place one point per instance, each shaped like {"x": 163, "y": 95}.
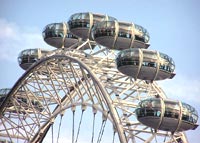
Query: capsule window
{"x": 189, "y": 114}
{"x": 59, "y": 26}
{"x": 149, "y": 108}
{"x": 138, "y": 38}
{"x": 97, "y": 17}
{"x": 171, "y": 109}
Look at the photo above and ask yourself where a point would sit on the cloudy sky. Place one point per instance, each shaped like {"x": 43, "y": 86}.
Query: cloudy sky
{"x": 173, "y": 26}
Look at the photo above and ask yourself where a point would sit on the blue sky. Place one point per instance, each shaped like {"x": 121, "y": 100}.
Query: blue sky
{"x": 173, "y": 26}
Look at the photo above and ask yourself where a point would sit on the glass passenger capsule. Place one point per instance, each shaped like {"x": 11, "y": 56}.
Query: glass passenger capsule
{"x": 22, "y": 100}
{"x": 29, "y": 56}
{"x": 58, "y": 35}
{"x": 120, "y": 35}
{"x": 3, "y": 93}
{"x": 5, "y": 141}
{"x": 167, "y": 115}
{"x": 145, "y": 64}
{"x": 80, "y": 24}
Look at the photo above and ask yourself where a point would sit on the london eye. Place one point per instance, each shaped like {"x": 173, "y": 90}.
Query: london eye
{"x": 98, "y": 85}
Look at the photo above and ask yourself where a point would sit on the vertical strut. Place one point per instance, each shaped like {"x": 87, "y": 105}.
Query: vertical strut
{"x": 52, "y": 132}
{"x": 59, "y": 127}
{"x": 93, "y": 127}
{"x": 73, "y": 127}
{"x": 98, "y": 140}
{"x": 102, "y": 127}
{"x": 79, "y": 127}
{"x": 113, "y": 137}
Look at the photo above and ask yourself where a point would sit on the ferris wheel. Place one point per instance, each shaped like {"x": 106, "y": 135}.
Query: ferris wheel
{"x": 98, "y": 85}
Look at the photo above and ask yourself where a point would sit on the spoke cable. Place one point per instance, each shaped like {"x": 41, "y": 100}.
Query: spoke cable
{"x": 52, "y": 132}
{"x": 59, "y": 127}
{"x": 156, "y": 139}
{"x": 102, "y": 131}
{"x": 102, "y": 128}
{"x": 18, "y": 132}
{"x": 79, "y": 127}
{"x": 93, "y": 127}
{"x": 154, "y": 132}
{"x": 113, "y": 137}
{"x": 73, "y": 126}
{"x": 165, "y": 138}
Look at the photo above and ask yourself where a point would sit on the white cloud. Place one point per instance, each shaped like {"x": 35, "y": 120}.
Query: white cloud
{"x": 8, "y": 30}
{"x": 14, "y": 39}
{"x": 182, "y": 88}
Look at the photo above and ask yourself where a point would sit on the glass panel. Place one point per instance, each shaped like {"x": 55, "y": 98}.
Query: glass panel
{"x": 149, "y": 58}
{"x": 111, "y": 18}
{"x": 139, "y": 28}
{"x": 156, "y": 103}
{"x": 168, "y": 65}
{"x": 185, "y": 112}
{"x": 134, "y": 53}
{"x": 79, "y": 20}
{"x": 25, "y": 52}
{"x": 125, "y": 30}
{"x": 4, "y": 91}
{"x": 139, "y": 38}
{"x": 189, "y": 114}
{"x": 172, "y": 109}
{"x": 98, "y": 17}
{"x": 140, "y": 112}
{"x": 111, "y": 24}
{"x": 124, "y": 26}
{"x": 34, "y": 52}
{"x": 85, "y": 16}
{"x": 76, "y": 16}
{"x": 149, "y": 107}
{"x": 54, "y": 30}
{"x": 149, "y": 55}
{"x": 105, "y": 28}
{"x": 127, "y": 57}
{"x": 59, "y": 26}
{"x": 144, "y": 37}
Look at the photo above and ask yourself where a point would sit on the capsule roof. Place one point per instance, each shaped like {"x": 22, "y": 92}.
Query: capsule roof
{"x": 167, "y": 115}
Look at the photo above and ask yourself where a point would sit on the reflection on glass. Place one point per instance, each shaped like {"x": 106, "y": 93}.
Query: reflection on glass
{"x": 83, "y": 22}
{"x": 143, "y": 36}
{"x": 189, "y": 113}
{"x": 105, "y": 28}
{"x": 172, "y": 109}
{"x": 152, "y": 107}
{"x": 149, "y": 107}
{"x": 54, "y": 30}
{"x": 168, "y": 63}
{"x": 22, "y": 100}
{"x": 128, "y": 57}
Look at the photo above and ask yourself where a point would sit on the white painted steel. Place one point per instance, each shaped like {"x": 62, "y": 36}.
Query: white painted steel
{"x": 64, "y": 79}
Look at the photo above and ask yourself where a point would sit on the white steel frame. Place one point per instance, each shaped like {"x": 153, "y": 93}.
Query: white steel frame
{"x": 66, "y": 78}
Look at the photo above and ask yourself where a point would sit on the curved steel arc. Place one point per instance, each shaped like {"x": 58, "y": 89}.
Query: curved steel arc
{"x": 106, "y": 97}
{"x": 18, "y": 84}
{"x": 119, "y": 93}
{"x": 108, "y": 100}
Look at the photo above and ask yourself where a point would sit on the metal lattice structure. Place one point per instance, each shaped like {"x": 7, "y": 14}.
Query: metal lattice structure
{"x": 72, "y": 80}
